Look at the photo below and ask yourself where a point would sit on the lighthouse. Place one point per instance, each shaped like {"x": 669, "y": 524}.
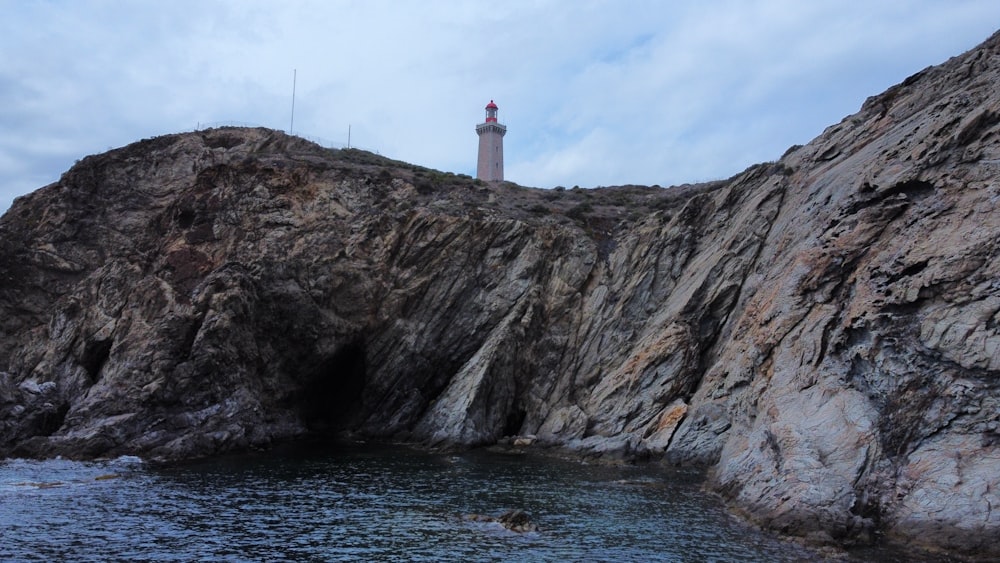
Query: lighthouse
{"x": 490, "y": 165}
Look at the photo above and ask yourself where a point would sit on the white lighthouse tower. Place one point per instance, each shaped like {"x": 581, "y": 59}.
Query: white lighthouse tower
{"x": 490, "y": 165}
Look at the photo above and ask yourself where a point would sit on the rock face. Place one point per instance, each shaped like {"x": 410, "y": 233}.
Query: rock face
{"x": 821, "y": 331}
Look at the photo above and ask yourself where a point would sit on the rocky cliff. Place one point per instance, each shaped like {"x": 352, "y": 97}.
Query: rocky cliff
{"x": 821, "y": 331}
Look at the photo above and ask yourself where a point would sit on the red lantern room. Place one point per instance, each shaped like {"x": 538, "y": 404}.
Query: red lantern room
{"x": 491, "y": 112}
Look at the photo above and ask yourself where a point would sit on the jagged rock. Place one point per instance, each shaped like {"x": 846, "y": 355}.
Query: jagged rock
{"x": 523, "y": 441}
{"x": 822, "y": 331}
{"x": 517, "y": 521}
{"x": 514, "y": 520}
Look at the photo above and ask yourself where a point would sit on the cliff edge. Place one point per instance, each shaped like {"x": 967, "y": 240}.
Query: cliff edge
{"x": 822, "y": 331}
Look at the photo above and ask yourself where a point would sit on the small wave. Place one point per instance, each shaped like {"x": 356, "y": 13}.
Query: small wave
{"x": 128, "y": 460}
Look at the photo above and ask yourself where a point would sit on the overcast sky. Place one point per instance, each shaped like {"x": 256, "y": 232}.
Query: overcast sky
{"x": 592, "y": 93}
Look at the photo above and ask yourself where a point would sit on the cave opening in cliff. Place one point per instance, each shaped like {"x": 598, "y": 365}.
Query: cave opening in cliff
{"x": 515, "y": 419}
{"x": 331, "y": 396}
{"x": 95, "y": 355}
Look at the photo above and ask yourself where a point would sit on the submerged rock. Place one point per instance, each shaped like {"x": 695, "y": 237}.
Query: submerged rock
{"x": 517, "y": 521}
{"x": 822, "y": 331}
{"x": 514, "y": 520}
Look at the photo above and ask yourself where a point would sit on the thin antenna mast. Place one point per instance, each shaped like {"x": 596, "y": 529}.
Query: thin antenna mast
{"x": 348, "y": 135}
{"x": 291, "y": 126}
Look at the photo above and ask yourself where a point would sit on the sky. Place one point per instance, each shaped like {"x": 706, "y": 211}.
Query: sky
{"x": 593, "y": 93}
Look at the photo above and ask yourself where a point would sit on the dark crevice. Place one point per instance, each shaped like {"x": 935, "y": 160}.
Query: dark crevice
{"x": 184, "y": 217}
{"x": 771, "y": 441}
{"x": 829, "y": 154}
{"x": 51, "y": 421}
{"x": 911, "y": 270}
{"x": 673, "y": 434}
{"x": 708, "y": 328}
{"x": 914, "y": 269}
{"x": 858, "y": 336}
{"x": 904, "y": 309}
{"x": 824, "y": 343}
{"x": 515, "y": 419}
{"x": 331, "y": 396}
{"x": 913, "y": 189}
{"x": 95, "y": 355}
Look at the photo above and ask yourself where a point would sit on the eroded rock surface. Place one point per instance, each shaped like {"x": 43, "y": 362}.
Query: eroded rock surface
{"x": 822, "y": 331}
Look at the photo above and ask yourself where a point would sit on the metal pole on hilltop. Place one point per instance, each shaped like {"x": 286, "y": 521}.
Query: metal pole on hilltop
{"x": 291, "y": 126}
{"x": 348, "y": 135}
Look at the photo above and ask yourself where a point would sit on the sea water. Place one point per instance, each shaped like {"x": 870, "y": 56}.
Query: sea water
{"x": 372, "y": 503}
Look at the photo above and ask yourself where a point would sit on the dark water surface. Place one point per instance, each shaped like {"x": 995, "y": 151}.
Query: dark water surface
{"x": 373, "y": 503}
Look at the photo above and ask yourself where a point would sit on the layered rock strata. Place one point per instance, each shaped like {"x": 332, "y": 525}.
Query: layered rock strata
{"x": 822, "y": 331}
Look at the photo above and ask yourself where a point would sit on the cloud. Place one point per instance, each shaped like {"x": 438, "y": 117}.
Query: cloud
{"x": 593, "y": 93}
